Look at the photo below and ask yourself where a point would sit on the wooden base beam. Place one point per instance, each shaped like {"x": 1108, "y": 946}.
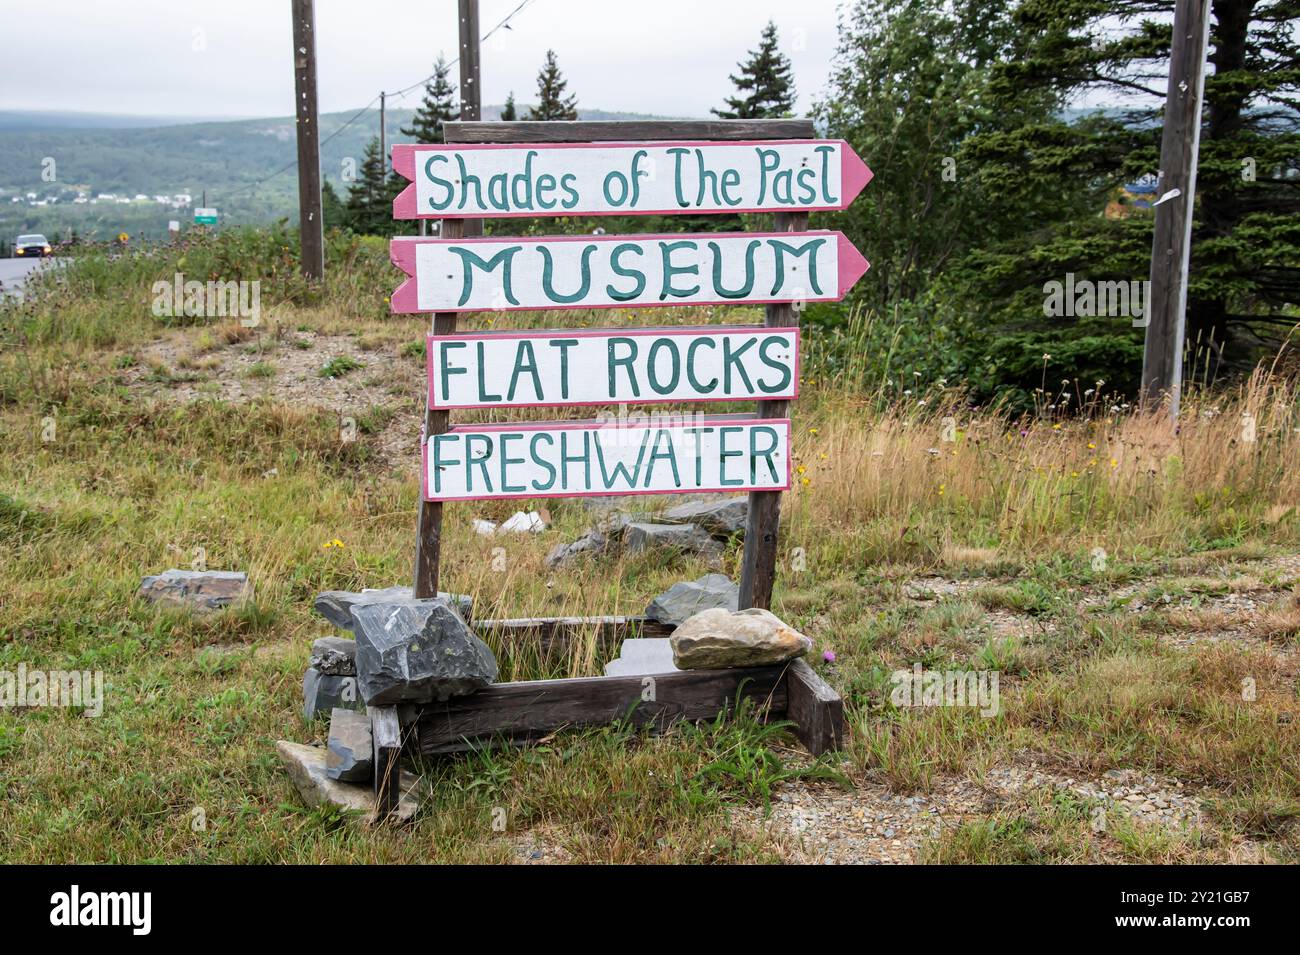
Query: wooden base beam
{"x": 521, "y": 713}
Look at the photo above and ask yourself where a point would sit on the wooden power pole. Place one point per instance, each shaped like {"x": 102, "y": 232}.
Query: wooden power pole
{"x": 311, "y": 228}
{"x": 1162, "y": 360}
{"x": 471, "y": 97}
{"x": 383, "y": 135}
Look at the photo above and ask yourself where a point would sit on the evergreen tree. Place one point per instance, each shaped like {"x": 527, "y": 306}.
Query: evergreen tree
{"x": 551, "y": 102}
{"x": 765, "y": 83}
{"x": 369, "y": 209}
{"x": 439, "y": 105}
{"x": 1246, "y": 228}
{"x": 508, "y": 112}
{"x": 333, "y": 212}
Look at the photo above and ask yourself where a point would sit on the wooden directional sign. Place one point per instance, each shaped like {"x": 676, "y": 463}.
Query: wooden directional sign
{"x": 640, "y": 178}
{"x": 612, "y": 366}
{"x": 613, "y": 271}
{"x": 670, "y": 455}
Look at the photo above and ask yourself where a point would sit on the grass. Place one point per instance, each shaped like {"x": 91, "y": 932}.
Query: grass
{"x": 1021, "y": 545}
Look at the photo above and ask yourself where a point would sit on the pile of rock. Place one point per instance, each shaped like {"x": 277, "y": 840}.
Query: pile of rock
{"x": 403, "y": 650}
{"x": 700, "y": 528}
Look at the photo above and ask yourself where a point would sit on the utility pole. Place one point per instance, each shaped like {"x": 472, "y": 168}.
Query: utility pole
{"x": 383, "y": 138}
{"x": 1162, "y": 359}
{"x": 311, "y": 228}
{"x": 471, "y": 101}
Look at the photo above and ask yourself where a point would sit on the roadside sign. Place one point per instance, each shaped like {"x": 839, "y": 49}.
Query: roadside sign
{"x": 615, "y": 271}
{"x": 570, "y": 367}
{"x": 675, "y": 454}
{"x": 639, "y": 178}
{"x": 205, "y": 216}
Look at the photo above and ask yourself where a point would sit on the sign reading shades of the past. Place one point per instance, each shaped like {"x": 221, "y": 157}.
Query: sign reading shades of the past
{"x": 560, "y": 179}
{"x": 612, "y": 366}
{"x": 611, "y": 271}
{"x": 593, "y": 458}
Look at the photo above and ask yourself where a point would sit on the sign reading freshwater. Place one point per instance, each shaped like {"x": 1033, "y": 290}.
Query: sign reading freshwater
{"x": 673, "y": 455}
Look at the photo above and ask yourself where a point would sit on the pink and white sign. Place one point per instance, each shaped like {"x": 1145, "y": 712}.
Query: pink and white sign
{"x": 642, "y": 178}
{"x": 652, "y": 454}
{"x": 613, "y": 271}
{"x": 568, "y": 367}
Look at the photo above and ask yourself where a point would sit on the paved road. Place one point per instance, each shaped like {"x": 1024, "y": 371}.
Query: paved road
{"x": 13, "y": 272}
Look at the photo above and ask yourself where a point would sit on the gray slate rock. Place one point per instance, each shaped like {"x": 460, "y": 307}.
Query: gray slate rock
{"x": 687, "y": 538}
{"x": 720, "y": 518}
{"x": 322, "y": 692}
{"x": 561, "y": 555}
{"x": 336, "y": 605}
{"x": 197, "y": 589}
{"x": 418, "y": 651}
{"x": 350, "y": 753}
{"x": 336, "y": 656}
{"x": 684, "y": 600}
{"x": 306, "y": 767}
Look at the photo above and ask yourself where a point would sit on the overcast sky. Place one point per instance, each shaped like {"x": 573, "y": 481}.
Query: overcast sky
{"x": 233, "y": 57}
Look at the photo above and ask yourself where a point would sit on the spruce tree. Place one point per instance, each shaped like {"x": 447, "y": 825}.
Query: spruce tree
{"x": 765, "y": 83}
{"x": 333, "y": 213}
{"x": 552, "y": 104}
{"x": 369, "y": 206}
{"x": 508, "y": 112}
{"x": 439, "y": 105}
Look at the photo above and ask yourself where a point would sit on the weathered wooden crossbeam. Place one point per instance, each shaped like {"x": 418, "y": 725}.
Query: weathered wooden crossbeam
{"x": 522, "y": 713}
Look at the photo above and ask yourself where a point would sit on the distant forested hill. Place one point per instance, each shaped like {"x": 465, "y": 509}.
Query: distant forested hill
{"x": 245, "y": 166}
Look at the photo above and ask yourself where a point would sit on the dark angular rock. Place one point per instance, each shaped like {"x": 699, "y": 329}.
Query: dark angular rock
{"x": 198, "y": 589}
{"x": 593, "y": 542}
{"x": 350, "y": 753}
{"x": 719, "y": 518}
{"x": 322, "y": 692}
{"x": 683, "y": 600}
{"x": 336, "y": 605}
{"x": 417, "y": 651}
{"x": 336, "y": 656}
{"x": 687, "y": 538}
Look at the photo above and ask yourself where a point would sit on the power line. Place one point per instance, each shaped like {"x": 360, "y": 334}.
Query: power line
{"x": 402, "y": 92}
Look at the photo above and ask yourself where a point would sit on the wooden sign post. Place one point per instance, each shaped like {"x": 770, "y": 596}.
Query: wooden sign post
{"x": 506, "y": 170}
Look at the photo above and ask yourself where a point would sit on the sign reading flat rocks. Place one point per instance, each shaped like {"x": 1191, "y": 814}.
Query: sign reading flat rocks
{"x": 646, "y": 178}
{"x": 614, "y": 271}
{"x": 588, "y": 459}
{"x": 612, "y": 366}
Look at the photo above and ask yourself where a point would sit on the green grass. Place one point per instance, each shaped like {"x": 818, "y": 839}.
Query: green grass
{"x": 126, "y": 486}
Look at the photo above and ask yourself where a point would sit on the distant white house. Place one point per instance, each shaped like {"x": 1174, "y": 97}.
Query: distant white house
{"x": 106, "y": 195}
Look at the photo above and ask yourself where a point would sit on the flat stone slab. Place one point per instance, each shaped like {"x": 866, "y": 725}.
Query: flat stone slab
{"x": 306, "y": 767}
{"x": 197, "y": 589}
{"x": 350, "y": 752}
{"x": 641, "y": 656}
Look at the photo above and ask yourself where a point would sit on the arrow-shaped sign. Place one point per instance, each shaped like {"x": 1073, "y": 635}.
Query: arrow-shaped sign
{"x": 616, "y": 271}
{"x": 570, "y": 179}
